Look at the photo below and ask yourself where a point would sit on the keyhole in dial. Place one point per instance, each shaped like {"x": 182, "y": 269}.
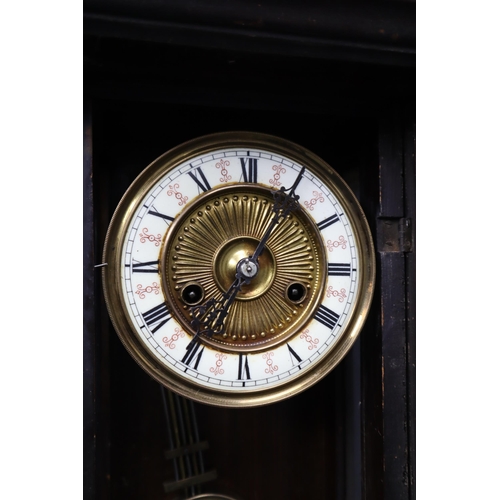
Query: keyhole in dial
{"x": 296, "y": 292}
{"x": 192, "y": 294}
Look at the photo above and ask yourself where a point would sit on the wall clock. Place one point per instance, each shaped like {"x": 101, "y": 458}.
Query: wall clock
{"x": 239, "y": 269}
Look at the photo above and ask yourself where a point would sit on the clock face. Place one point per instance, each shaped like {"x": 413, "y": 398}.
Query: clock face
{"x": 240, "y": 269}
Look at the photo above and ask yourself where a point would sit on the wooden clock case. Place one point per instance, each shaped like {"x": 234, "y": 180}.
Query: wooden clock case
{"x": 339, "y": 80}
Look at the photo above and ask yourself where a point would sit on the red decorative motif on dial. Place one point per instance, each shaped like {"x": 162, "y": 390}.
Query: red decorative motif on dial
{"x": 172, "y": 190}
{"x": 317, "y": 197}
{"x": 149, "y": 237}
{"x": 313, "y": 343}
{"x": 342, "y": 243}
{"x": 154, "y": 288}
{"x": 269, "y": 362}
{"x": 170, "y": 342}
{"x": 222, "y": 165}
{"x": 275, "y": 181}
{"x": 218, "y": 370}
{"x": 335, "y": 293}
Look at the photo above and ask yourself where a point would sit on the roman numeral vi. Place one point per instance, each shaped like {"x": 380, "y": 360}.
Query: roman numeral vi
{"x": 243, "y": 369}
{"x": 193, "y": 353}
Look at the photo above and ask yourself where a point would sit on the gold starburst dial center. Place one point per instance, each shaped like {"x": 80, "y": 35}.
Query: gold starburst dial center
{"x": 212, "y": 240}
{"x": 234, "y": 253}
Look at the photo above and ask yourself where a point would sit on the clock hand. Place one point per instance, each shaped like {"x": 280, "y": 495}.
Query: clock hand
{"x": 209, "y": 317}
{"x": 214, "y": 321}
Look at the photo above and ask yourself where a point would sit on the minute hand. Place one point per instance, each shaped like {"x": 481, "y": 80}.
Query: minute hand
{"x": 283, "y": 204}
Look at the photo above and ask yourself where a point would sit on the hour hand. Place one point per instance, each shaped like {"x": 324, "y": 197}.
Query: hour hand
{"x": 209, "y": 318}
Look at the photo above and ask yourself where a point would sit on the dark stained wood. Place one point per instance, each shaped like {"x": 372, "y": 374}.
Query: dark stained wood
{"x": 391, "y": 166}
{"x": 372, "y": 405}
{"x": 370, "y": 32}
{"x": 315, "y": 438}
{"x": 393, "y": 317}
{"x": 279, "y": 451}
{"x": 411, "y": 265}
{"x": 89, "y": 317}
{"x": 394, "y": 287}
{"x": 371, "y": 402}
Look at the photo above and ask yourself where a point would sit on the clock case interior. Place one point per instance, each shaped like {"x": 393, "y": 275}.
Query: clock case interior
{"x": 337, "y": 439}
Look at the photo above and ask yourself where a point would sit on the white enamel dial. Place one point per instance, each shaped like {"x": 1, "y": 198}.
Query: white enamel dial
{"x": 182, "y": 228}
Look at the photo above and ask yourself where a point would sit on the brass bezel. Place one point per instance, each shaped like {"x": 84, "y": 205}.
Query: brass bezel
{"x": 114, "y": 243}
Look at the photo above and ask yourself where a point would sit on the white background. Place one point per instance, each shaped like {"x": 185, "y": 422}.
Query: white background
{"x": 458, "y": 348}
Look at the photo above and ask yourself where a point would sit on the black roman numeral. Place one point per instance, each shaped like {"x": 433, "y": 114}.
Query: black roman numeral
{"x": 249, "y": 168}
{"x": 326, "y": 316}
{"x": 339, "y": 269}
{"x": 157, "y": 317}
{"x": 145, "y": 267}
{"x": 202, "y": 180}
{"x": 243, "y": 369}
{"x": 293, "y": 355}
{"x": 166, "y": 218}
{"x": 193, "y": 353}
{"x": 328, "y": 222}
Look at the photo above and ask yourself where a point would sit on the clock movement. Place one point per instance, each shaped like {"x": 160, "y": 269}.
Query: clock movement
{"x": 239, "y": 269}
